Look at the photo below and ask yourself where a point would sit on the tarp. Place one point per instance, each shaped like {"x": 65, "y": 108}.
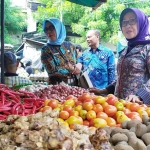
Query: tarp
{"x": 89, "y": 3}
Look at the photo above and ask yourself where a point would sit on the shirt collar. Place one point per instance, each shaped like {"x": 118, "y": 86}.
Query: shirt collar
{"x": 98, "y": 48}
{"x": 10, "y": 74}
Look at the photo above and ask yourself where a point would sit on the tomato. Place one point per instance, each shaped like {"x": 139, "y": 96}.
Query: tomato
{"x": 67, "y": 108}
{"x": 98, "y": 108}
{"x": 111, "y": 99}
{"x": 110, "y": 110}
{"x": 134, "y": 117}
{"x": 102, "y": 115}
{"x": 142, "y": 113}
{"x": 119, "y": 106}
{"x": 90, "y": 115}
{"x": 46, "y": 108}
{"x": 134, "y": 107}
{"x": 99, "y": 100}
{"x": 91, "y": 122}
{"x": 82, "y": 114}
{"x": 89, "y": 100}
{"x": 111, "y": 122}
{"x": 78, "y": 108}
{"x": 46, "y": 102}
{"x": 86, "y": 96}
{"x": 69, "y": 102}
{"x": 70, "y": 97}
{"x": 80, "y": 120}
{"x": 119, "y": 125}
{"x": 148, "y": 111}
{"x": 122, "y": 118}
{"x": 53, "y": 103}
{"x": 126, "y": 111}
{"x": 127, "y": 105}
{"x": 104, "y": 104}
{"x": 123, "y": 102}
{"x": 73, "y": 120}
{"x": 41, "y": 109}
{"x": 74, "y": 113}
{"x": 64, "y": 115}
{"x": 86, "y": 123}
{"x": 78, "y": 103}
{"x": 71, "y": 126}
{"x": 99, "y": 123}
{"x": 119, "y": 113}
{"x": 80, "y": 98}
{"x": 131, "y": 114}
{"x": 87, "y": 106}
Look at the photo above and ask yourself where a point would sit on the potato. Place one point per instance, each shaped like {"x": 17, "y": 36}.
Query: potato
{"x": 119, "y": 130}
{"x": 119, "y": 137}
{"x": 108, "y": 130}
{"x": 146, "y": 138}
{"x": 123, "y": 147}
{"x": 130, "y": 134}
{"x": 133, "y": 129}
{"x": 124, "y": 124}
{"x": 132, "y": 142}
{"x": 148, "y": 147}
{"x": 148, "y": 128}
{"x": 140, "y": 145}
{"x": 141, "y": 129}
{"x": 145, "y": 119}
{"x": 133, "y": 123}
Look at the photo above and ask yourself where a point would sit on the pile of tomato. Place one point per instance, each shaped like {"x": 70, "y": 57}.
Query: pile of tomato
{"x": 96, "y": 111}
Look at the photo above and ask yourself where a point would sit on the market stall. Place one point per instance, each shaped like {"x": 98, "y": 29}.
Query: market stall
{"x": 68, "y": 117}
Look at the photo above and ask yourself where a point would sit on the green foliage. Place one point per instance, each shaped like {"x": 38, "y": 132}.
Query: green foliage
{"x": 14, "y": 22}
{"x": 105, "y": 18}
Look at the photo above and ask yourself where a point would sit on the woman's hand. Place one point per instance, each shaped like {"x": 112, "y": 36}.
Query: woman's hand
{"x": 98, "y": 91}
{"x": 134, "y": 99}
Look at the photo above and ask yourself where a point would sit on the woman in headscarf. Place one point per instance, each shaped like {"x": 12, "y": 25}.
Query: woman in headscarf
{"x": 58, "y": 56}
{"x": 133, "y": 68}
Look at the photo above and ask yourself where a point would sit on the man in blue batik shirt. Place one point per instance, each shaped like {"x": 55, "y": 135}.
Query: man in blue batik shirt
{"x": 99, "y": 61}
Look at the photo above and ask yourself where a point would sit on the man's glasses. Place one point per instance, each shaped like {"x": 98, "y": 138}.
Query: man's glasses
{"x": 50, "y": 28}
{"x": 130, "y": 22}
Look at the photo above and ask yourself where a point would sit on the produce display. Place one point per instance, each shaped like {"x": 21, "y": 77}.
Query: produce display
{"x": 18, "y": 102}
{"x": 58, "y": 92}
{"x": 45, "y": 117}
{"x": 134, "y": 135}
{"x": 42, "y": 131}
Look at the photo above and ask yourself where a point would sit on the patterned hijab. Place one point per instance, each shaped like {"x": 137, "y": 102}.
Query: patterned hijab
{"x": 143, "y": 36}
{"x": 60, "y": 31}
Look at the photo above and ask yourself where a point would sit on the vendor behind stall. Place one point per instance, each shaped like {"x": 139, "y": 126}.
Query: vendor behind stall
{"x": 10, "y": 67}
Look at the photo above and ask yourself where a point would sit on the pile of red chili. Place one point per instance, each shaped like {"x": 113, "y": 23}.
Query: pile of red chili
{"x": 18, "y": 102}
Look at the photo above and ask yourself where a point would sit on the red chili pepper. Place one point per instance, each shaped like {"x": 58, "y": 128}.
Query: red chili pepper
{"x": 4, "y": 108}
{"x": 28, "y": 105}
{"x": 13, "y": 110}
{"x": 3, "y": 117}
{"x": 4, "y": 86}
{"x": 14, "y": 99}
{"x": 27, "y": 93}
{"x": 3, "y": 98}
{"x": 7, "y": 113}
{"x": 34, "y": 110}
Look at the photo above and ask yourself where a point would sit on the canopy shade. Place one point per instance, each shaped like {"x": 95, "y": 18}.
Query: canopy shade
{"x": 89, "y": 3}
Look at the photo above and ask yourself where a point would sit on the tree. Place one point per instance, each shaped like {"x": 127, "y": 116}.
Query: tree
{"x": 15, "y": 22}
{"x": 105, "y": 18}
